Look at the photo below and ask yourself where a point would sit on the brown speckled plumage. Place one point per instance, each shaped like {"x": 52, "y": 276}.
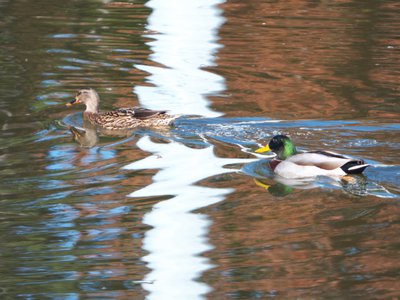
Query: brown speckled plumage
{"x": 122, "y": 118}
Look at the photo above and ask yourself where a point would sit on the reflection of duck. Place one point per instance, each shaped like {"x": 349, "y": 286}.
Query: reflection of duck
{"x": 355, "y": 185}
{"x": 87, "y": 137}
{"x": 278, "y": 189}
{"x": 122, "y": 118}
{"x": 291, "y": 164}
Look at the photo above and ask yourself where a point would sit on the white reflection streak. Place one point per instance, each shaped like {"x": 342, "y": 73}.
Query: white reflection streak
{"x": 178, "y": 235}
{"x": 185, "y": 40}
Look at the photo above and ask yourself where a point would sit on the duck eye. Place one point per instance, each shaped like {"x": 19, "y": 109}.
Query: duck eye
{"x": 79, "y": 93}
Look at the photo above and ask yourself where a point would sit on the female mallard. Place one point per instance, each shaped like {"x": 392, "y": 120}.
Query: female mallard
{"x": 122, "y": 118}
{"x": 291, "y": 164}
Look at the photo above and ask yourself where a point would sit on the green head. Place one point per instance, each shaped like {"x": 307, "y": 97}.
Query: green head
{"x": 281, "y": 145}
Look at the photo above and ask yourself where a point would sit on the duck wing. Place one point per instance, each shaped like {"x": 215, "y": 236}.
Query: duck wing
{"x": 322, "y": 159}
{"x": 137, "y": 112}
{"x": 328, "y": 160}
{"x": 351, "y": 166}
{"x": 124, "y": 118}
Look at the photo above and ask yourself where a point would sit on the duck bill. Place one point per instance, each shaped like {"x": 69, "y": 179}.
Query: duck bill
{"x": 76, "y": 132}
{"x": 261, "y": 184}
{"x": 263, "y": 149}
{"x": 75, "y": 101}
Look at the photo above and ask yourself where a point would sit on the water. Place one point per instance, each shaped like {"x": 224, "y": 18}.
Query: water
{"x": 192, "y": 212}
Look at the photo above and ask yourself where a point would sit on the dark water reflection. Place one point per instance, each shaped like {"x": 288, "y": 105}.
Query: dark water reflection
{"x": 188, "y": 212}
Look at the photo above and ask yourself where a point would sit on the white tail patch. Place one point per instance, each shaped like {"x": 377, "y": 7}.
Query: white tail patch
{"x": 358, "y": 167}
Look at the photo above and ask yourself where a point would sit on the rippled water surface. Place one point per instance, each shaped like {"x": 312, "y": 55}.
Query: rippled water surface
{"x": 192, "y": 212}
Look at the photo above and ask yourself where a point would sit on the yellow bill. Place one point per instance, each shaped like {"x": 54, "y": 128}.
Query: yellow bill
{"x": 263, "y": 149}
{"x": 75, "y": 101}
{"x": 261, "y": 184}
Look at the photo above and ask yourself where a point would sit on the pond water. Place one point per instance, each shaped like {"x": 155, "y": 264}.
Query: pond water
{"x": 192, "y": 212}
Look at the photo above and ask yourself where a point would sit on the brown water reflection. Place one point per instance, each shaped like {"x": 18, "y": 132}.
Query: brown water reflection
{"x": 302, "y": 245}
{"x": 302, "y": 59}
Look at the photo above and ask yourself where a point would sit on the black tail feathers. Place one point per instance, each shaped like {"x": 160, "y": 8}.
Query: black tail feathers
{"x": 354, "y": 167}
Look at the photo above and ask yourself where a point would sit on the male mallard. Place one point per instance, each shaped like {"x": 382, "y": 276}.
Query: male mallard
{"x": 122, "y": 118}
{"x": 291, "y": 164}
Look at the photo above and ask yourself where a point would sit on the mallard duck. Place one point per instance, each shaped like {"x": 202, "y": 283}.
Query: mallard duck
{"x": 122, "y": 118}
{"x": 291, "y": 164}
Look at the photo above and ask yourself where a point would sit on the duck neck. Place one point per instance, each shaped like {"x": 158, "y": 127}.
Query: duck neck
{"x": 92, "y": 108}
{"x": 288, "y": 150}
{"x": 93, "y": 105}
